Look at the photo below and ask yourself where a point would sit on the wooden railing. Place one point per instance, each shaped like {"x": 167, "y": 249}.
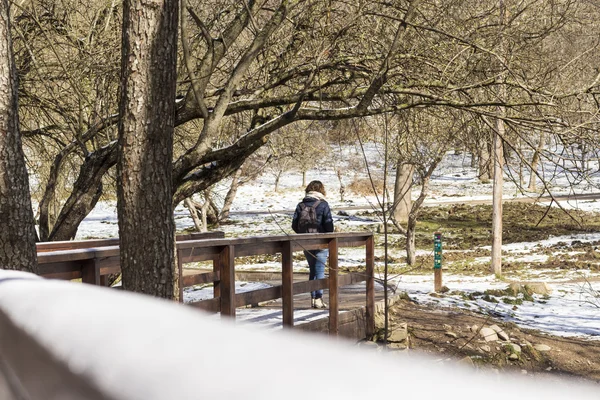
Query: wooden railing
{"x": 92, "y": 264}
{"x": 90, "y": 260}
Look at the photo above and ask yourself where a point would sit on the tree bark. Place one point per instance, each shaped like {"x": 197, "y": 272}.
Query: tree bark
{"x": 402, "y": 192}
{"x": 342, "y": 186}
{"x": 485, "y": 166}
{"x": 411, "y": 225}
{"x": 146, "y": 125}
{"x": 230, "y": 196}
{"x": 496, "y": 266}
{"x": 17, "y": 233}
{"x": 534, "y": 163}
{"x": 277, "y": 177}
{"x": 499, "y": 133}
{"x": 193, "y": 213}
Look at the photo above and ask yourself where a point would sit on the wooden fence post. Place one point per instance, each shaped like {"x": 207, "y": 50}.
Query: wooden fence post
{"x": 287, "y": 282}
{"x": 180, "y": 272}
{"x": 333, "y": 287}
{"x": 217, "y": 284}
{"x": 370, "y": 266}
{"x": 226, "y": 266}
{"x": 89, "y": 273}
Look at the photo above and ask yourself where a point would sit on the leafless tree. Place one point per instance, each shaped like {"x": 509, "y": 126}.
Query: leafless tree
{"x": 145, "y": 149}
{"x": 17, "y": 236}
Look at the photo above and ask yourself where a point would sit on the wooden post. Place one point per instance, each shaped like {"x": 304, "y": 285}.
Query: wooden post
{"x": 180, "y": 274}
{"x": 437, "y": 261}
{"x": 226, "y": 266}
{"x": 287, "y": 281}
{"x": 370, "y": 281}
{"x": 216, "y": 284}
{"x": 333, "y": 287}
{"x": 89, "y": 273}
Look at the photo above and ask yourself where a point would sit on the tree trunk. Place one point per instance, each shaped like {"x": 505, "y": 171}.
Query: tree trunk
{"x": 85, "y": 194}
{"x": 193, "y": 213}
{"x": 277, "y": 177}
{"x": 410, "y": 239}
{"x": 204, "y": 212}
{"x": 304, "y": 179}
{"x": 484, "y": 163}
{"x": 17, "y": 232}
{"x": 402, "y": 192}
{"x": 534, "y": 163}
{"x": 499, "y": 134}
{"x": 342, "y": 186}
{"x": 146, "y": 125}
{"x": 230, "y": 196}
{"x": 496, "y": 266}
{"x": 474, "y": 160}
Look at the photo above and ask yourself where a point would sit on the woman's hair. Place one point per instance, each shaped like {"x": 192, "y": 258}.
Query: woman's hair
{"x": 316, "y": 186}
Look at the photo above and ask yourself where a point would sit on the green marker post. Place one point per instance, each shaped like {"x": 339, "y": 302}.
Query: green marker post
{"x": 437, "y": 261}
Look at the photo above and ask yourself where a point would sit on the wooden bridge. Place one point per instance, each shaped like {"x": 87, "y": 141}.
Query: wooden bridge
{"x": 94, "y": 260}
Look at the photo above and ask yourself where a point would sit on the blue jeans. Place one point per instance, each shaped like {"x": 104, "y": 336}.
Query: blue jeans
{"x": 316, "y": 263}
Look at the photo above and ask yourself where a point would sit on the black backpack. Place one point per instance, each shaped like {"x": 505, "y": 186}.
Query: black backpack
{"x": 307, "y": 220}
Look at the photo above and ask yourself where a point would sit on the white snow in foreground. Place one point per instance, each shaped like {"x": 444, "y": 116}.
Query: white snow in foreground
{"x": 161, "y": 350}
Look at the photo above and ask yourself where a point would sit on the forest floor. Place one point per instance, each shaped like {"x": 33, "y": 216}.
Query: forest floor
{"x": 450, "y": 335}
{"x": 447, "y": 325}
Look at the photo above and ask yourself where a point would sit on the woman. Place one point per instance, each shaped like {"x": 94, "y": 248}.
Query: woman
{"x": 313, "y": 215}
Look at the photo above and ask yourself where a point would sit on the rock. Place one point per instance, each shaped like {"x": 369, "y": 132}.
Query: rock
{"x": 541, "y": 288}
{"x": 514, "y": 348}
{"x": 451, "y": 334}
{"x": 474, "y": 328}
{"x": 486, "y": 348}
{"x": 524, "y": 371}
{"x": 542, "y": 347}
{"x": 447, "y": 327}
{"x": 397, "y": 346}
{"x": 488, "y": 334}
{"x": 513, "y": 357}
{"x": 466, "y": 361}
{"x": 501, "y": 334}
{"x": 398, "y": 333}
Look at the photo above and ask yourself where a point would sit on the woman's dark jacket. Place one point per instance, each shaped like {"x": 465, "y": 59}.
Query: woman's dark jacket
{"x": 324, "y": 219}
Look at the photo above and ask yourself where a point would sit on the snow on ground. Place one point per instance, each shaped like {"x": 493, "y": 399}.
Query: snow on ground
{"x": 571, "y": 310}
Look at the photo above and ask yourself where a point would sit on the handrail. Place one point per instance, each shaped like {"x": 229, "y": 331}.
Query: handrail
{"x": 93, "y": 264}
{"x": 85, "y": 244}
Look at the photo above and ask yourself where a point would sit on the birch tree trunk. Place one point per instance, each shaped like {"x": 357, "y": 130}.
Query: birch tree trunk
{"x": 17, "y": 226}
{"x": 496, "y": 266}
{"x": 146, "y": 124}
{"x": 496, "y": 262}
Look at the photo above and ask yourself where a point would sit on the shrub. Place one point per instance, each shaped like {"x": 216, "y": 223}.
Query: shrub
{"x": 363, "y": 186}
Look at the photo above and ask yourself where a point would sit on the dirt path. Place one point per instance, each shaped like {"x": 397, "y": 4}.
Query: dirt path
{"x": 432, "y": 330}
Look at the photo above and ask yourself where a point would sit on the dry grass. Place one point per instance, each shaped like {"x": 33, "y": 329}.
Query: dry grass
{"x": 363, "y": 186}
